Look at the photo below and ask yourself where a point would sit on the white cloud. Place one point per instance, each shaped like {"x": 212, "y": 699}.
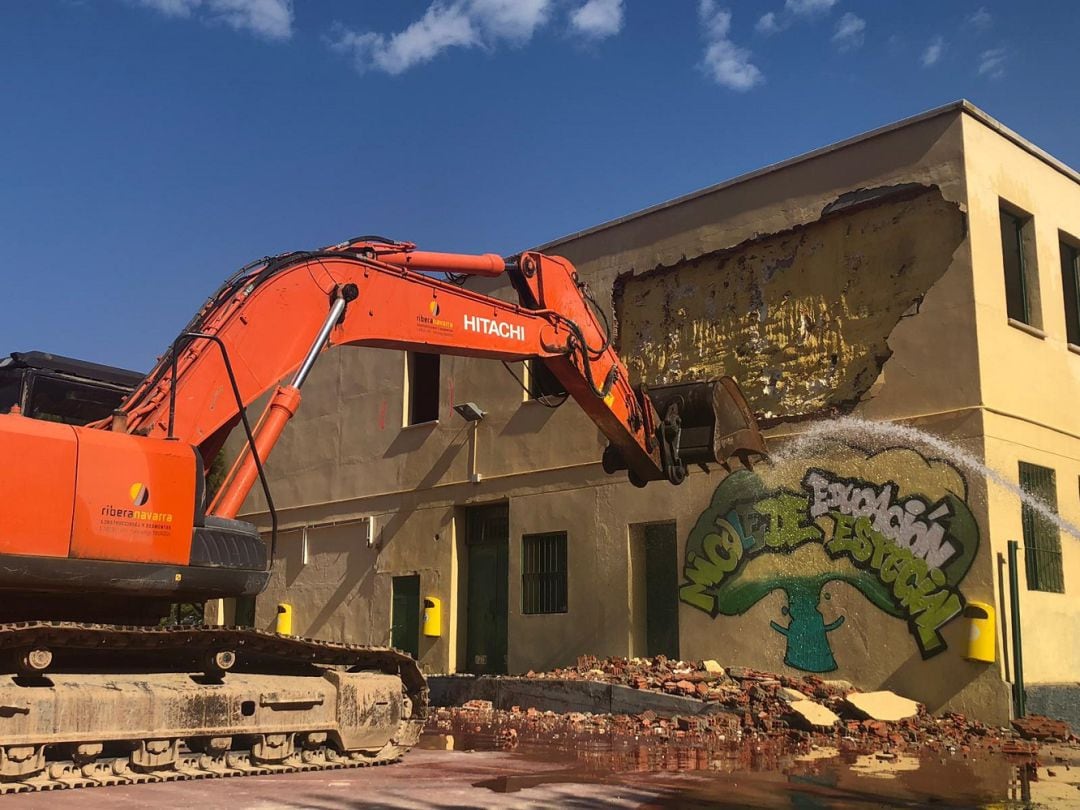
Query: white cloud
{"x": 933, "y": 52}
{"x": 980, "y": 19}
{"x": 515, "y": 20}
{"x": 809, "y": 6}
{"x": 271, "y": 19}
{"x": 171, "y": 8}
{"x": 992, "y": 63}
{"x": 725, "y": 62}
{"x": 767, "y": 24}
{"x": 850, "y": 32}
{"x": 268, "y": 18}
{"x": 457, "y": 24}
{"x": 597, "y": 19}
{"x": 773, "y": 22}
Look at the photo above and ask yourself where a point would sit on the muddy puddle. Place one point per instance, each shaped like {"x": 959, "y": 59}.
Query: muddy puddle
{"x": 768, "y": 773}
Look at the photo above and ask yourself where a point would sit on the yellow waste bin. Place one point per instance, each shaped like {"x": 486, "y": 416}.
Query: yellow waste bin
{"x": 284, "y": 618}
{"x": 432, "y": 616}
{"x": 981, "y": 632}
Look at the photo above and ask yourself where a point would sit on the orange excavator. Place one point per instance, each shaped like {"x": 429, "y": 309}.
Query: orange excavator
{"x": 102, "y": 527}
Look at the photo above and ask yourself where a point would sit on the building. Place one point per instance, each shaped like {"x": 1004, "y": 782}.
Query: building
{"x": 923, "y": 274}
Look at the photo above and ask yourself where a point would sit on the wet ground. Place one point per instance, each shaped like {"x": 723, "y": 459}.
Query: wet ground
{"x": 479, "y": 765}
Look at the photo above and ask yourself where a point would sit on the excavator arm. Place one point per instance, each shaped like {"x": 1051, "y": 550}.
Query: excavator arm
{"x": 274, "y": 317}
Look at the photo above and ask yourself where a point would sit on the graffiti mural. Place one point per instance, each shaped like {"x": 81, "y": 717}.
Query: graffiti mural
{"x": 894, "y": 526}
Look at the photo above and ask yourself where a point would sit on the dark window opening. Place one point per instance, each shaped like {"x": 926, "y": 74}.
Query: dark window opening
{"x": 543, "y": 573}
{"x": 1014, "y": 250}
{"x": 423, "y": 387}
{"x": 1070, "y": 269}
{"x": 542, "y": 383}
{"x": 1042, "y": 540}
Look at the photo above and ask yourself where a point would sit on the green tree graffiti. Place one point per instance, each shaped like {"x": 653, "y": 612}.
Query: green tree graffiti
{"x": 752, "y": 541}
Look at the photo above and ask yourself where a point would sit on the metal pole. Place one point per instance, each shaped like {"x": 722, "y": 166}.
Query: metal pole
{"x": 320, "y": 340}
{"x": 1014, "y": 613}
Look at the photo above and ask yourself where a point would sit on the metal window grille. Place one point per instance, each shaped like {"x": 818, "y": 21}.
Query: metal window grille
{"x": 1042, "y": 540}
{"x": 543, "y": 573}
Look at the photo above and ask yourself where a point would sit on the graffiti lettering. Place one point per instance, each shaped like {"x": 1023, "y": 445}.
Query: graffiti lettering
{"x": 921, "y": 591}
{"x": 721, "y": 552}
{"x": 900, "y": 522}
{"x": 787, "y": 525}
{"x": 906, "y": 555}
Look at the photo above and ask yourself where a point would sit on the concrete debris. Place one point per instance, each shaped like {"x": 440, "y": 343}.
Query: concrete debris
{"x": 790, "y": 695}
{"x": 744, "y": 705}
{"x": 885, "y": 706}
{"x": 812, "y": 716}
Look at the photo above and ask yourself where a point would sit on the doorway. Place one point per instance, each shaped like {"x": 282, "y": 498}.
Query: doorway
{"x": 654, "y": 563}
{"x": 405, "y": 614}
{"x": 487, "y": 540}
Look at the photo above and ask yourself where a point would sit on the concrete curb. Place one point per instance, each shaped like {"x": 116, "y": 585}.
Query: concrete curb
{"x": 561, "y": 696}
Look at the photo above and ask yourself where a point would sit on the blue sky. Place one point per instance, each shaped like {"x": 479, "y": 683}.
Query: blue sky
{"x": 149, "y": 147}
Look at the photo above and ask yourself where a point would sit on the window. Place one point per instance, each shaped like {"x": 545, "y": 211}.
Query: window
{"x": 1017, "y": 250}
{"x": 1070, "y": 268}
{"x": 542, "y": 383}
{"x": 422, "y": 388}
{"x": 543, "y": 573}
{"x": 1042, "y": 542}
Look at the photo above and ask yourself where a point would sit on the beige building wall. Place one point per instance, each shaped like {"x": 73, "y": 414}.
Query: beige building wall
{"x": 860, "y": 279}
{"x": 1031, "y": 376}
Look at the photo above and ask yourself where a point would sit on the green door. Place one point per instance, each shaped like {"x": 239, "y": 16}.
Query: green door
{"x": 405, "y": 614}
{"x": 661, "y": 590}
{"x": 487, "y": 537}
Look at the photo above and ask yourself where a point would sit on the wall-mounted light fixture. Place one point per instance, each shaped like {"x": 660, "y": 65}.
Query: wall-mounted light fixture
{"x": 469, "y": 411}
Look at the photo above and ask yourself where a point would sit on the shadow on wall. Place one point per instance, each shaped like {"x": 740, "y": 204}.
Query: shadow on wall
{"x": 939, "y": 680}
{"x": 529, "y": 417}
{"x": 410, "y": 439}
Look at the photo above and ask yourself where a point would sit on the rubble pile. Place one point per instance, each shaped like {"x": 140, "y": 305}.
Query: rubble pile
{"x": 749, "y": 705}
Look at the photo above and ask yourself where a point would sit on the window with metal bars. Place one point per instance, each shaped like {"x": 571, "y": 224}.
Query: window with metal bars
{"x": 1042, "y": 541}
{"x": 543, "y": 573}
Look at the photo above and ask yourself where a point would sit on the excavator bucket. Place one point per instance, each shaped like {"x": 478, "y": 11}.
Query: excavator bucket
{"x": 716, "y": 422}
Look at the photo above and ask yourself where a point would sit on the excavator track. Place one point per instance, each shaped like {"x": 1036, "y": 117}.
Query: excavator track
{"x": 85, "y": 705}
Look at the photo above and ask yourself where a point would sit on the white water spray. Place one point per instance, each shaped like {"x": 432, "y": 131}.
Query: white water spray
{"x": 821, "y": 434}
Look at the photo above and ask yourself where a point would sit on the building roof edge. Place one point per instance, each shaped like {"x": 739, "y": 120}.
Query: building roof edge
{"x": 962, "y": 106}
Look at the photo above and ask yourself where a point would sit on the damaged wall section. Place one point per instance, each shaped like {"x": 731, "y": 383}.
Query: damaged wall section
{"x": 801, "y": 318}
